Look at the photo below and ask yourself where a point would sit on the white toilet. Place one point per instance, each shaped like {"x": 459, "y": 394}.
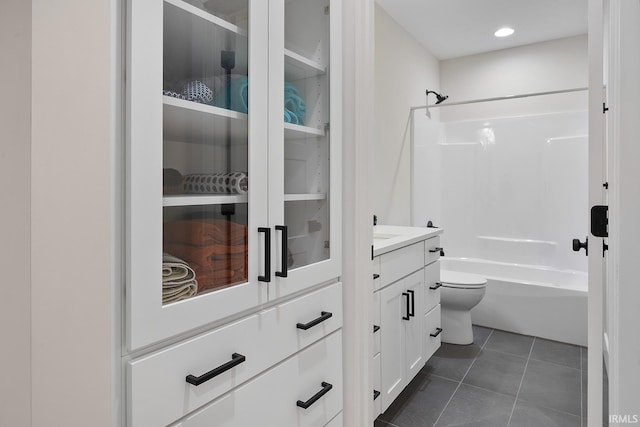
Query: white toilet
{"x": 460, "y": 292}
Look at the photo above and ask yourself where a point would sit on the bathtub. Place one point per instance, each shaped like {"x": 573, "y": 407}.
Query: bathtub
{"x": 531, "y": 300}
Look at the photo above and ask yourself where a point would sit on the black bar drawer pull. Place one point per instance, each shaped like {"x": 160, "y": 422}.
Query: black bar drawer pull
{"x": 405, "y": 294}
{"x": 267, "y": 254}
{"x": 325, "y": 389}
{"x": 324, "y": 315}
{"x": 412, "y": 313}
{"x": 236, "y": 359}
{"x": 436, "y": 249}
{"x": 284, "y": 256}
{"x": 437, "y": 332}
{"x": 436, "y": 286}
{"x": 376, "y": 276}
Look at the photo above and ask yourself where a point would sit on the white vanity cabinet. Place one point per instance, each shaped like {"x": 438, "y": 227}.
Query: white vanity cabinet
{"x": 233, "y": 197}
{"x": 406, "y": 300}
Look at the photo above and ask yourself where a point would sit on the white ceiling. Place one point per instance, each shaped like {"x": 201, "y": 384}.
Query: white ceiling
{"x": 453, "y": 28}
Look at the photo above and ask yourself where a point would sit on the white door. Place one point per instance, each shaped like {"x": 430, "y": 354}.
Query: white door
{"x": 623, "y": 131}
{"x": 305, "y": 149}
{"x": 414, "y": 329}
{"x": 196, "y": 164}
{"x": 395, "y": 308}
{"x": 596, "y": 197}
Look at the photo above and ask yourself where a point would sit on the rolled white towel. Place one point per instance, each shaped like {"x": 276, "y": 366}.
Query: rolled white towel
{"x": 178, "y": 279}
{"x": 216, "y": 183}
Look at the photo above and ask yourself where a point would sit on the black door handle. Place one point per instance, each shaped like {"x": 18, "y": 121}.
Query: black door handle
{"x": 324, "y": 315}
{"x": 236, "y": 359}
{"x": 313, "y": 399}
{"x": 437, "y": 332}
{"x": 412, "y": 313}
{"x": 436, "y": 286}
{"x": 577, "y": 245}
{"x": 267, "y": 254}
{"x": 284, "y": 268}
{"x": 408, "y": 310}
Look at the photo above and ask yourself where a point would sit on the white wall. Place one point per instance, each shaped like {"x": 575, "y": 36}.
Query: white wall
{"x": 15, "y": 316}
{"x": 403, "y": 71}
{"x": 554, "y": 65}
{"x": 72, "y": 142}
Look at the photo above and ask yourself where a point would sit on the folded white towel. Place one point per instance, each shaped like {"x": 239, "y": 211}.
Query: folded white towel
{"x": 178, "y": 279}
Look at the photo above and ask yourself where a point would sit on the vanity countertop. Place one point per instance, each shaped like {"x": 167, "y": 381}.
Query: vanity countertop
{"x": 387, "y": 238}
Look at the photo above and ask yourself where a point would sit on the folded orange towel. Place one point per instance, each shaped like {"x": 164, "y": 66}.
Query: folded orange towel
{"x": 205, "y": 232}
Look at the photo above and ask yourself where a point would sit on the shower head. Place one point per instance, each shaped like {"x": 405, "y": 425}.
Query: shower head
{"x": 438, "y": 96}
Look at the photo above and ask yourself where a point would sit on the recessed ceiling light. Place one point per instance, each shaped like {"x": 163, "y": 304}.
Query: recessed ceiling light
{"x": 503, "y": 32}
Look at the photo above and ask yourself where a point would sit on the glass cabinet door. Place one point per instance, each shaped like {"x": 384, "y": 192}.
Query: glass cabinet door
{"x": 191, "y": 247}
{"x": 310, "y": 138}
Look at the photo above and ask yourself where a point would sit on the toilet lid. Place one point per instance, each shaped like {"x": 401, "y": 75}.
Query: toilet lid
{"x": 454, "y": 279}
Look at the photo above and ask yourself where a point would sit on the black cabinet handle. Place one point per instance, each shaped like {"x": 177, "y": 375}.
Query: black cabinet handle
{"x": 412, "y": 313}
{"x": 437, "y": 332}
{"x": 436, "y": 249}
{"x": 436, "y": 286}
{"x": 267, "y": 254}
{"x": 376, "y": 393}
{"x": 284, "y": 256}
{"x": 236, "y": 359}
{"x": 405, "y": 294}
{"x": 324, "y": 315}
{"x": 313, "y": 399}
{"x": 376, "y": 276}
{"x": 376, "y": 328}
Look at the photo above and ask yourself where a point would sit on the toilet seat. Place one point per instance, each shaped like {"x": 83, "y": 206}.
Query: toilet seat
{"x": 458, "y": 280}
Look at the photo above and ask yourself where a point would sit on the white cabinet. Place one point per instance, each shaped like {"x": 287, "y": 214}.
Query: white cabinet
{"x": 406, "y": 303}
{"x": 234, "y": 113}
{"x": 233, "y": 165}
{"x": 401, "y": 333}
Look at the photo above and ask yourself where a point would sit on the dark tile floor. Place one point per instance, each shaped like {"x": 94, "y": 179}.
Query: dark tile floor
{"x": 502, "y": 379}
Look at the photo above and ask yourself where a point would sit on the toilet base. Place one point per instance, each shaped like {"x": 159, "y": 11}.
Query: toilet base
{"x": 456, "y": 327}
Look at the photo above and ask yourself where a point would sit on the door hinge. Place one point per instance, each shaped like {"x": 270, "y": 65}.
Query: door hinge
{"x": 605, "y": 248}
{"x": 600, "y": 221}
{"x": 604, "y": 108}
{"x": 606, "y": 185}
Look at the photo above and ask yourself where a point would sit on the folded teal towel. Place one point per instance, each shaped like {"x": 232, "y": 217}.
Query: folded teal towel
{"x": 238, "y": 90}
{"x": 294, "y": 107}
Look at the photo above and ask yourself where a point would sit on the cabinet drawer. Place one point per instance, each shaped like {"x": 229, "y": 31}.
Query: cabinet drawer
{"x": 271, "y": 399}
{"x": 431, "y": 278}
{"x": 158, "y": 391}
{"x": 432, "y": 324}
{"x": 377, "y": 384}
{"x": 432, "y": 244}
{"x": 402, "y": 262}
{"x": 376, "y": 324}
{"x": 376, "y": 273}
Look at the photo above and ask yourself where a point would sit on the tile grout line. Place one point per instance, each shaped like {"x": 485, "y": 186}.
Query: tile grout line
{"x": 463, "y": 377}
{"x": 515, "y": 402}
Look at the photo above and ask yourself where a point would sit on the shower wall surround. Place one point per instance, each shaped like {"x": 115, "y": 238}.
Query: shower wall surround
{"x": 509, "y": 189}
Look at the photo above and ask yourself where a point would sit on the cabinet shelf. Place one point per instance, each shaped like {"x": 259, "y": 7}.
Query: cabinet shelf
{"x": 304, "y": 197}
{"x": 297, "y": 67}
{"x": 189, "y": 121}
{"x": 199, "y": 199}
{"x": 207, "y": 16}
{"x": 292, "y": 131}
